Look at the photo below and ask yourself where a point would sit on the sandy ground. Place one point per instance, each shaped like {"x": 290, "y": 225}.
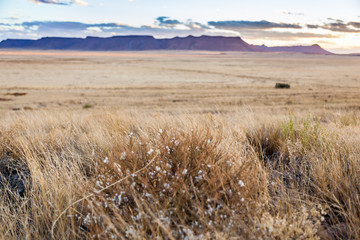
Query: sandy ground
{"x": 171, "y": 81}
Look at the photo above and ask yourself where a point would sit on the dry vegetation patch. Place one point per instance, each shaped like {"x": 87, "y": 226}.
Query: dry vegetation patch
{"x": 16, "y": 94}
{"x": 122, "y": 175}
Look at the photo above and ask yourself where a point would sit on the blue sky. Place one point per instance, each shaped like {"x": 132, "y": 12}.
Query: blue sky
{"x": 333, "y": 24}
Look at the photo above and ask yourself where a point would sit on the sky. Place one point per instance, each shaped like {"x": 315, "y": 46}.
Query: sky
{"x": 333, "y": 24}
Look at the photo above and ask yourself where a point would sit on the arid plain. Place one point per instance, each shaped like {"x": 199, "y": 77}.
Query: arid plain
{"x": 191, "y": 81}
{"x": 179, "y": 145}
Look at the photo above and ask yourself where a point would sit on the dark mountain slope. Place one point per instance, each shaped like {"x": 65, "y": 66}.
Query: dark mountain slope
{"x": 132, "y": 43}
{"x": 141, "y": 43}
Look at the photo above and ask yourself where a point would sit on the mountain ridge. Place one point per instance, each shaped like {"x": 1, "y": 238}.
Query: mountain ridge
{"x": 148, "y": 42}
{"x": 313, "y": 49}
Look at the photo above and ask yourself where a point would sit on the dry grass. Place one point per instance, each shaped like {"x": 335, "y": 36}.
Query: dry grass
{"x": 202, "y": 176}
{"x": 188, "y": 162}
{"x": 169, "y": 81}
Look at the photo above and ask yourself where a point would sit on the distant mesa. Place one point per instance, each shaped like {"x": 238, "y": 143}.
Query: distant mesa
{"x": 148, "y": 43}
{"x": 313, "y": 49}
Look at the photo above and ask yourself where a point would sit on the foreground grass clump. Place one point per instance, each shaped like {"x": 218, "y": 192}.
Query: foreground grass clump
{"x": 191, "y": 188}
{"x": 115, "y": 175}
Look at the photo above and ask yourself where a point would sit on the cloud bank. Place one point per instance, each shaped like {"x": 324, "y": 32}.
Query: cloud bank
{"x": 236, "y": 25}
{"x": 61, "y": 2}
{"x": 337, "y": 25}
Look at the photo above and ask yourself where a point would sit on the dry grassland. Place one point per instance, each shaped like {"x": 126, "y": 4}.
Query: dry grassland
{"x": 179, "y": 145}
{"x": 166, "y": 81}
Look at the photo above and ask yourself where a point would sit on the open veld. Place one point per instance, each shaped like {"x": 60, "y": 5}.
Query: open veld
{"x": 193, "y": 81}
{"x": 179, "y": 145}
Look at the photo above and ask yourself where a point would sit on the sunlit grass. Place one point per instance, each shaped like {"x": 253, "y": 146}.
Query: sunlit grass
{"x": 119, "y": 175}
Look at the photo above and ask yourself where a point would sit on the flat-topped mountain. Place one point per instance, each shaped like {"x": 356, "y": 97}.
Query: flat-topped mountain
{"x": 313, "y": 49}
{"x": 132, "y": 43}
{"x": 208, "y": 43}
{"x": 142, "y": 43}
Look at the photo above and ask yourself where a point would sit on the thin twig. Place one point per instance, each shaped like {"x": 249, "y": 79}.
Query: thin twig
{"x": 97, "y": 192}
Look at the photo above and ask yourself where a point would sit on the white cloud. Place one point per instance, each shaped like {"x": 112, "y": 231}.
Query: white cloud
{"x": 93, "y": 29}
{"x": 80, "y": 2}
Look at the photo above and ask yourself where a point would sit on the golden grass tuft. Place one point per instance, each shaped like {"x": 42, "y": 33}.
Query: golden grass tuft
{"x": 180, "y": 176}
